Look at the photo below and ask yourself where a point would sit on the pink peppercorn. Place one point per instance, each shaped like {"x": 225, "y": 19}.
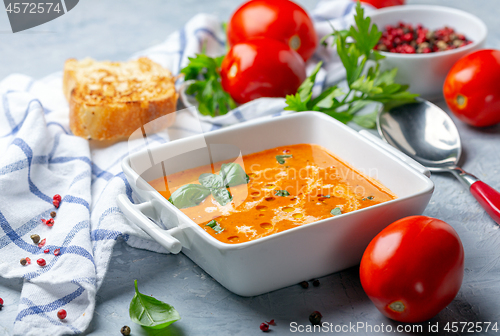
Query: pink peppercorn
{"x": 41, "y": 262}
{"x": 56, "y": 200}
{"x": 408, "y": 39}
{"x": 42, "y": 243}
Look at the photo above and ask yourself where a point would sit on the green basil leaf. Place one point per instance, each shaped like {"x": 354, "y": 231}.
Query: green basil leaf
{"x": 282, "y": 193}
{"x": 222, "y": 196}
{"x": 150, "y": 312}
{"x": 211, "y": 181}
{"x": 215, "y": 225}
{"x": 217, "y": 187}
{"x": 336, "y": 211}
{"x": 281, "y": 158}
{"x": 233, "y": 174}
{"x": 189, "y": 195}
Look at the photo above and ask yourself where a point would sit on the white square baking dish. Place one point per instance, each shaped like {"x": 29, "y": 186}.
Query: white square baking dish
{"x": 289, "y": 257}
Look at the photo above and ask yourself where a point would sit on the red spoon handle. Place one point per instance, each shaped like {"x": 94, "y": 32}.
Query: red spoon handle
{"x": 488, "y": 197}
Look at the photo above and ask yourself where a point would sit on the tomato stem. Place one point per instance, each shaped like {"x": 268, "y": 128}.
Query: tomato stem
{"x": 461, "y": 101}
{"x": 397, "y": 307}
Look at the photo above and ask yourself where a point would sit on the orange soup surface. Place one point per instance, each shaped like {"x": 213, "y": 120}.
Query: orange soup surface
{"x": 307, "y": 185}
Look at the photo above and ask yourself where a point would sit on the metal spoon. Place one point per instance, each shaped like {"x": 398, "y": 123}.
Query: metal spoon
{"x": 427, "y": 134}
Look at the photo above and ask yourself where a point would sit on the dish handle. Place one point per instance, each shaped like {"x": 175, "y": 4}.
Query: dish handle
{"x": 136, "y": 213}
{"x": 400, "y": 155}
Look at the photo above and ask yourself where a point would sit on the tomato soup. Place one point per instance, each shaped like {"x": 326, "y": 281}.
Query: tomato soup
{"x": 287, "y": 187}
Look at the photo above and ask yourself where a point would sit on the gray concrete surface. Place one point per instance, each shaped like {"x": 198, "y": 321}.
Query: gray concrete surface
{"x": 116, "y": 29}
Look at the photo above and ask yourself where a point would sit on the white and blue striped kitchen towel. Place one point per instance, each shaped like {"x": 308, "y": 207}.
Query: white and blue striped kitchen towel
{"x": 39, "y": 157}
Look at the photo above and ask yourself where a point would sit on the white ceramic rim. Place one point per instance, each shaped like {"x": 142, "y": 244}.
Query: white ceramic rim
{"x": 407, "y": 8}
{"x": 225, "y": 246}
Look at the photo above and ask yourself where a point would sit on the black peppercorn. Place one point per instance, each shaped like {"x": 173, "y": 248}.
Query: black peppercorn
{"x": 316, "y": 283}
{"x": 304, "y": 284}
{"x": 53, "y": 214}
{"x": 35, "y": 238}
{"x": 23, "y": 261}
{"x": 125, "y": 330}
{"x": 315, "y": 318}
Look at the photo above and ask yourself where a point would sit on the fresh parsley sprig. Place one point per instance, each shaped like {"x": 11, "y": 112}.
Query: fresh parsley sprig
{"x": 208, "y": 91}
{"x": 365, "y": 86}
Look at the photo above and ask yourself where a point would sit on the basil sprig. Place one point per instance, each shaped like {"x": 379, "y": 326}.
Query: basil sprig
{"x": 150, "y": 312}
{"x": 231, "y": 174}
{"x": 211, "y": 181}
{"x": 189, "y": 195}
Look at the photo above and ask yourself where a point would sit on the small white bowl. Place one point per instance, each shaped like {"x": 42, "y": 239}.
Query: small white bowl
{"x": 425, "y": 73}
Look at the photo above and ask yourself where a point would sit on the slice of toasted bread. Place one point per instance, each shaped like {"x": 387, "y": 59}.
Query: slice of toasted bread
{"x": 110, "y": 100}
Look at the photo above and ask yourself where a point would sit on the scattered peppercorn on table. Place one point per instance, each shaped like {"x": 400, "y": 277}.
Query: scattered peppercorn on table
{"x": 205, "y": 306}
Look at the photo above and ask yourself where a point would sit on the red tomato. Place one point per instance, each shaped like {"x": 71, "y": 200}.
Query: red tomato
{"x": 471, "y": 88}
{"x": 413, "y": 268}
{"x": 384, "y": 3}
{"x": 281, "y": 20}
{"x": 261, "y": 68}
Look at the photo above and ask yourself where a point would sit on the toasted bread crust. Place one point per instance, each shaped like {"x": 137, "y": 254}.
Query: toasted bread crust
{"x": 69, "y": 78}
{"x": 109, "y": 101}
